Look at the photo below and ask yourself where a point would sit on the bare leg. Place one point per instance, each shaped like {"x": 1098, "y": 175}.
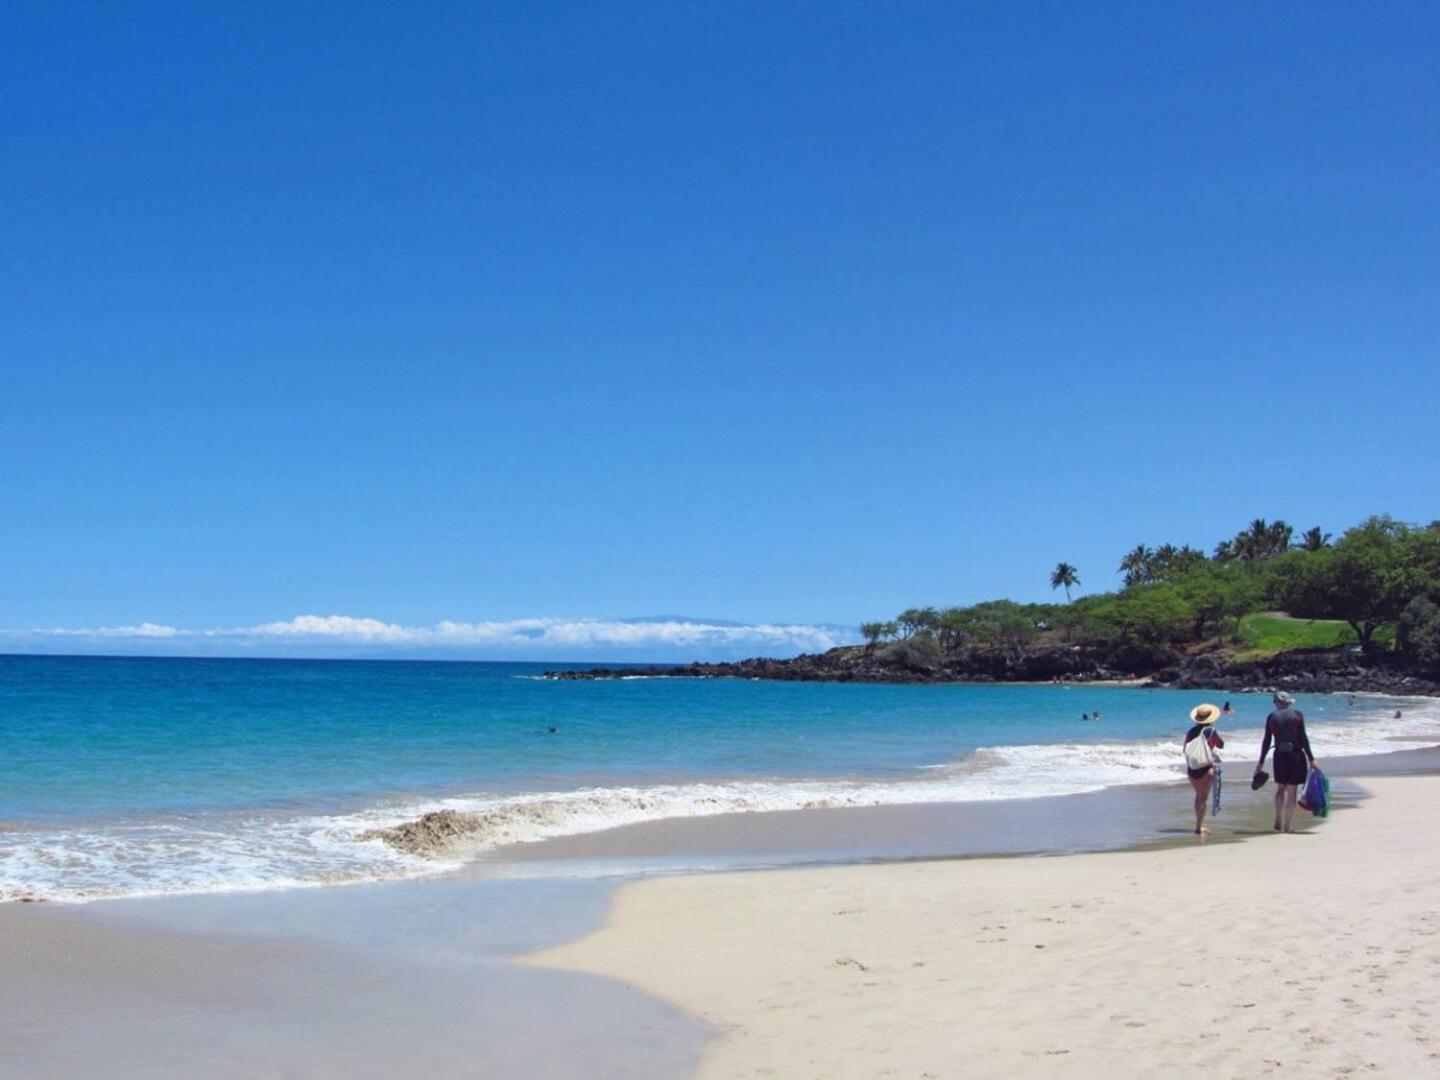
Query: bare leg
{"x": 1292, "y": 792}
{"x": 1280, "y": 806}
{"x": 1202, "y": 799}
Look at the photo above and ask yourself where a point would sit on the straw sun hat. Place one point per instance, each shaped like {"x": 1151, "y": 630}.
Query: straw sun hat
{"x": 1205, "y": 714}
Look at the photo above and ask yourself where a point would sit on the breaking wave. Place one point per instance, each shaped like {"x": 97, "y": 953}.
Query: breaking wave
{"x": 231, "y": 852}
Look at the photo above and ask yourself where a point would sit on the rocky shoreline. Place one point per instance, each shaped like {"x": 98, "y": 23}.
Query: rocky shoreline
{"x": 1311, "y": 671}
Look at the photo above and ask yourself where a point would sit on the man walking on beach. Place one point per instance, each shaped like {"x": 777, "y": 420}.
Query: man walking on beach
{"x": 1286, "y": 728}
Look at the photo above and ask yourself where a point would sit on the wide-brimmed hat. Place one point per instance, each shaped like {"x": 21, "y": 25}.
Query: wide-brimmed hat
{"x": 1205, "y": 714}
{"x": 1284, "y": 697}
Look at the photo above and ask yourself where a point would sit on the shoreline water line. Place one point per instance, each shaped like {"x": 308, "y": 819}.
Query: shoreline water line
{"x": 268, "y": 850}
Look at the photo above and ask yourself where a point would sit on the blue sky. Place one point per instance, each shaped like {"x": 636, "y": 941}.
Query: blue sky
{"x": 789, "y": 314}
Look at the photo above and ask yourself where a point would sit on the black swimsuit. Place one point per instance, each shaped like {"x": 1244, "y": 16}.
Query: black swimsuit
{"x": 1292, "y": 746}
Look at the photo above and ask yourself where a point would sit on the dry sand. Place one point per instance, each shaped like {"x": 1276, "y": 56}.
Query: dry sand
{"x": 1317, "y": 952}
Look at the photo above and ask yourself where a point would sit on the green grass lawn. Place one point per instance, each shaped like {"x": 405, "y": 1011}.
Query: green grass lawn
{"x": 1264, "y": 633}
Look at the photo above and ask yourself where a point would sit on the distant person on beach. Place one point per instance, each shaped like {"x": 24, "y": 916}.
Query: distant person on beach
{"x": 1285, "y": 727}
{"x": 1226, "y": 710}
{"x": 1200, "y": 759}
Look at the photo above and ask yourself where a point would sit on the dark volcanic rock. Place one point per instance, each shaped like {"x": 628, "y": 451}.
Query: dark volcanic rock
{"x": 1302, "y": 671}
{"x": 856, "y": 663}
{"x": 1308, "y": 671}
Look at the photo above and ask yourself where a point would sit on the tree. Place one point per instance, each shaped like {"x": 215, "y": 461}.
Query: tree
{"x": 1187, "y": 558}
{"x": 1420, "y": 554}
{"x": 1007, "y": 624}
{"x": 1138, "y": 565}
{"x": 1361, "y": 579}
{"x": 1418, "y": 635}
{"x": 954, "y": 629}
{"x": 1152, "y": 617}
{"x": 1164, "y": 559}
{"x": 1216, "y": 593}
{"x": 873, "y": 633}
{"x": 1262, "y": 540}
{"x": 1064, "y": 576}
{"x": 912, "y": 620}
{"x": 1167, "y": 562}
{"x": 1279, "y": 538}
{"x": 1314, "y": 539}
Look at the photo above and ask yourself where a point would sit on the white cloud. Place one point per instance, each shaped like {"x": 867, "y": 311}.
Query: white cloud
{"x": 140, "y": 630}
{"x": 325, "y": 626}
{"x": 555, "y": 636}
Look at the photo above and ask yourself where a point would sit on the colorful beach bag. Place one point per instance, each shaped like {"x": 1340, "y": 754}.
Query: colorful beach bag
{"x": 1316, "y": 798}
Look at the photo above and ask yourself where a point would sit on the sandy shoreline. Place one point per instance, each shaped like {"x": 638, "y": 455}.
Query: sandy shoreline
{"x": 1321, "y": 951}
{"x": 943, "y": 960}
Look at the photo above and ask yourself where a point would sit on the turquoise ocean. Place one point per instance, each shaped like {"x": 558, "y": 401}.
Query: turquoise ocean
{"x": 133, "y": 777}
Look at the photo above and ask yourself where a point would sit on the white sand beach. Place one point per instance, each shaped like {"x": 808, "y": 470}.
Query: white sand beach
{"x": 1319, "y": 951}
{"x": 1315, "y": 953}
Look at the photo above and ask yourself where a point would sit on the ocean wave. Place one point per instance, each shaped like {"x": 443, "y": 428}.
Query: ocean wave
{"x": 222, "y": 853}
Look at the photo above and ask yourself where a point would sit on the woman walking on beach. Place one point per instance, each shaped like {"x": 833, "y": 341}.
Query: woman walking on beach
{"x": 1201, "y": 742}
{"x": 1285, "y": 727}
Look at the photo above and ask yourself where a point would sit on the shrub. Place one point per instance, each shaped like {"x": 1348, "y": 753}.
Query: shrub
{"x": 920, "y": 652}
{"x": 1419, "y": 634}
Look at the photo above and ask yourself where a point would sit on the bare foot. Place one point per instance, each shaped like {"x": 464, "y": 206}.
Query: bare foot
{"x": 1277, "y": 827}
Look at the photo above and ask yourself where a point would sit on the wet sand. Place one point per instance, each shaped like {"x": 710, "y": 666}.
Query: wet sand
{"x": 373, "y": 981}
{"x": 1144, "y": 815}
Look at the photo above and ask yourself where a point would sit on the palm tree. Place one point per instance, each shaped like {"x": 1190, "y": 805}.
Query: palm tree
{"x": 1314, "y": 539}
{"x": 1187, "y": 558}
{"x": 1064, "y": 575}
{"x": 1263, "y": 539}
{"x": 1138, "y": 566}
{"x": 1254, "y": 542}
{"x": 1280, "y": 535}
{"x": 1165, "y": 558}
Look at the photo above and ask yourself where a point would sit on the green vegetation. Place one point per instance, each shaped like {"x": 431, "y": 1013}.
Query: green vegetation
{"x": 1261, "y": 591}
{"x": 1268, "y": 632}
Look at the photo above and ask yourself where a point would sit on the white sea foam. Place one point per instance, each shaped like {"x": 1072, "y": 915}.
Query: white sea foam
{"x": 220, "y": 853}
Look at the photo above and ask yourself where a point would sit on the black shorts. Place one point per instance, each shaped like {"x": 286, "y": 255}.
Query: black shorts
{"x": 1195, "y": 774}
{"x": 1290, "y": 767}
